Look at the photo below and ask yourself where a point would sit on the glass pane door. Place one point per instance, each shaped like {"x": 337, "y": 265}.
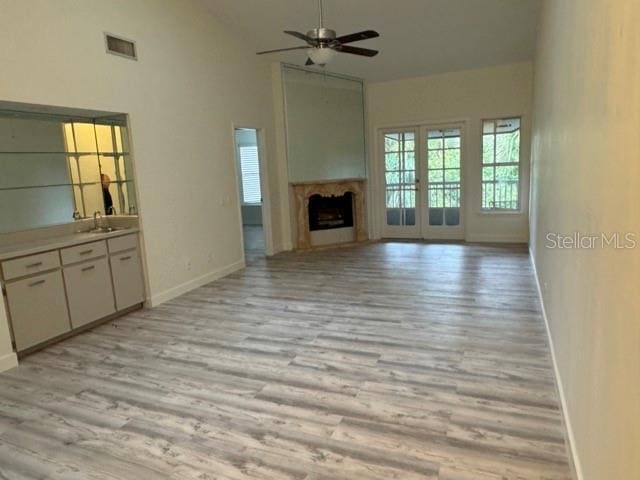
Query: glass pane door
{"x": 444, "y": 155}
{"x": 400, "y": 179}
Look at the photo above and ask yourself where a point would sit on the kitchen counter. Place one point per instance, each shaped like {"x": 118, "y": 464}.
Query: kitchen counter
{"x": 13, "y": 250}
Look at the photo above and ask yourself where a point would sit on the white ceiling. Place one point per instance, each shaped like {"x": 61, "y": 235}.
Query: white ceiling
{"x": 417, "y": 37}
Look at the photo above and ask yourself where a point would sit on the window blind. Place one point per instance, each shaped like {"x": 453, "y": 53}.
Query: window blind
{"x": 250, "y": 167}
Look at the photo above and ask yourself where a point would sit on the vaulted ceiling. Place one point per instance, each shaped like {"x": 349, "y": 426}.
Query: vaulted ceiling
{"x": 417, "y": 37}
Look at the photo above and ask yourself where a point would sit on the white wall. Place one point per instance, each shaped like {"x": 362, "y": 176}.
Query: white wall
{"x": 183, "y": 98}
{"x": 469, "y": 96}
{"x": 586, "y": 178}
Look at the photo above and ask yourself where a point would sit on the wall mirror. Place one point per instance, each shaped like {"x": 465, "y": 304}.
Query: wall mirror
{"x": 55, "y": 168}
{"x": 325, "y": 125}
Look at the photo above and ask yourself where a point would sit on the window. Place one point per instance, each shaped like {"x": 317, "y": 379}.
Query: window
{"x": 400, "y": 177}
{"x": 501, "y": 164}
{"x": 250, "y": 170}
{"x": 443, "y": 175}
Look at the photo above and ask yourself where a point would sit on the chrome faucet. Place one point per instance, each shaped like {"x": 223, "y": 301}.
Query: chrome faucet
{"x": 76, "y": 215}
{"x": 96, "y": 215}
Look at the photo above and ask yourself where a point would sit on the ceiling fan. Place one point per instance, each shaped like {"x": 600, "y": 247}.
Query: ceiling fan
{"x": 322, "y": 43}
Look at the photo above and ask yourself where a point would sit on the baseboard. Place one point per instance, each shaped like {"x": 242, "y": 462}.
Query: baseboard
{"x": 576, "y": 466}
{"x": 178, "y": 290}
{"x": 491, "y": 238}
{"x": 8, "y": 361}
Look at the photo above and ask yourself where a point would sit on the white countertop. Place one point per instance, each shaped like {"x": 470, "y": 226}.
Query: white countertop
{"x": 52, "y": 243}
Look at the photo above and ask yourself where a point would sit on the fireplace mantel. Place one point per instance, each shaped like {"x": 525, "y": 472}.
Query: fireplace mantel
{"x": 302, "y": 191}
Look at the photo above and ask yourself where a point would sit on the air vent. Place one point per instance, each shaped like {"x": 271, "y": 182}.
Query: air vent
{"x": 120, "y": 46}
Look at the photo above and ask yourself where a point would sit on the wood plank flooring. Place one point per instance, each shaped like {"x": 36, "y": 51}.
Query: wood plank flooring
{"x": 386, "y": 361}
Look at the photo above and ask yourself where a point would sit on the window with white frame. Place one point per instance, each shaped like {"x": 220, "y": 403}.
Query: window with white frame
{"x": 501, "y": 164}
{"x": 250, "y": 170}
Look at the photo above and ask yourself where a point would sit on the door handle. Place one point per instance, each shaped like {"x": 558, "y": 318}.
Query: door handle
{"x": 34, "y": 265}
{"x": 90, "y": 267}
{"x": 37, "y": 282}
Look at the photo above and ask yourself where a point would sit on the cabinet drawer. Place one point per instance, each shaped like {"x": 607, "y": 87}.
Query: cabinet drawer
{"x": 126, "y": 242}
{"x": 29, "y": 265}
{"x": 89, "y": 291}
{"x": 83, "y": 252}
{"x": 38, "y": 309}
{"x": 127, "y": 279}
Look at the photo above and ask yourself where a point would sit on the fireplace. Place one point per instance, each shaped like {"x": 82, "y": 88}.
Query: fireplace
{"x": 328, "y": 212}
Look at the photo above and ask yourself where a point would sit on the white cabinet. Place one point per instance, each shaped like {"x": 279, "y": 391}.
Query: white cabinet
{"x": 83, "y": 252}
{"x": 89, "y": 291}
{"x": 126, "y": 270}
{"x": 38, "y": 309}
{"x": 21, "y": 267}
{"x": 52, "y": 293}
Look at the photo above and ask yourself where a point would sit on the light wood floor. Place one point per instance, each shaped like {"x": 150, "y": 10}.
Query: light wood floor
{"x": 387, "y": 361}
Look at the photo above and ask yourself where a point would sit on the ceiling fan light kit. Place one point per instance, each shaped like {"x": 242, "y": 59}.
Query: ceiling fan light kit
{"x": 322, "y": 43}
{"x": 321, "y": 56}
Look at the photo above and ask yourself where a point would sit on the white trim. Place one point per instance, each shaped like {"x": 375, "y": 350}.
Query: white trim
{"x": 178, "y": 290}
{"x": 265, "y": 190}
{"x": 576, "y": 466}
{"x": 8, "y": 361}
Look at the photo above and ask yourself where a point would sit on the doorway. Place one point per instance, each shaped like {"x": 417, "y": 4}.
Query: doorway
{"x": 248, "y": 164}
{"x": 422, "y": 168}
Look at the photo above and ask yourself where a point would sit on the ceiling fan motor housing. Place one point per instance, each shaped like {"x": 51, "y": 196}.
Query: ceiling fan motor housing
{"x": 324, "y": 36}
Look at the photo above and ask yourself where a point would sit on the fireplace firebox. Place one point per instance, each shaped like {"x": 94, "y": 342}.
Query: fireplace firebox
{"x": 328, "y": 212}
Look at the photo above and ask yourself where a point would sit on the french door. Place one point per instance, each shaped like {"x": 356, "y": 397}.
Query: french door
{"x": 423, "y": 182}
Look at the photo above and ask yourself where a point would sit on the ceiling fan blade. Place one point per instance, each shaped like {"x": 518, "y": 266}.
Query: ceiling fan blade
{"x": 365, "y": 52}
{"x": 309, "y": 62}
{"x": 283, "y": 50}
{"x": 302, "y": 36}
{"x": 355, "y": 37}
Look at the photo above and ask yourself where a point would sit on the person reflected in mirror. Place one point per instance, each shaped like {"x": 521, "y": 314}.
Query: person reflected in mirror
{"x": 106, "y": 195}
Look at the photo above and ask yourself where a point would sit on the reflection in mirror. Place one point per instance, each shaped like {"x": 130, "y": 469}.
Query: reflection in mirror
{"x": 100, "y": 168}
{"x": 56, "y": 168}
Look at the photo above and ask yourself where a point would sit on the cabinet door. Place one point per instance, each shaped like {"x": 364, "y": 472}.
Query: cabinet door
{"x": 127, "y": 279}
{"x": 89, "y": 291}
{"x": 38, "y": 309}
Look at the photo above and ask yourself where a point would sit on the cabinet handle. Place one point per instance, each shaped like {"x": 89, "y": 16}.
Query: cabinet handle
{"x": 34, "y": 265}
{"x": 86, "y": 252}
{"x": 90, "y": 267}
{"x": 37, "y": 282}
{"x": 128, "y": 257}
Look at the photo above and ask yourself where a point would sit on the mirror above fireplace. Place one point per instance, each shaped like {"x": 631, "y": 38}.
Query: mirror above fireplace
{"x": 324, "y": 116}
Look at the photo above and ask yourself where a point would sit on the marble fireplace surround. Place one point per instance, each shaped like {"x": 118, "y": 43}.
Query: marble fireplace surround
{"x": 301, "y": 192}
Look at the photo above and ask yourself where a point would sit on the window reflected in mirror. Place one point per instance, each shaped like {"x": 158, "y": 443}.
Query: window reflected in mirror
{"x": 100, "y": 168}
